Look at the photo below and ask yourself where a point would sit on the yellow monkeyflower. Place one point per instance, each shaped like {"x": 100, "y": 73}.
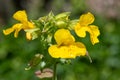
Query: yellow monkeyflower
{"x": 24, "y": 24}
{"x": 84, "y": 25}
{"x": 66, "y": 46}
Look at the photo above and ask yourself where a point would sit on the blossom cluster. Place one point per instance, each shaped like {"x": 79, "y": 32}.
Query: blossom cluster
{"x": 57, "y": 32}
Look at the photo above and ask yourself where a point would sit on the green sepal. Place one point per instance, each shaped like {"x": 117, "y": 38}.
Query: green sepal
{"x": 50, "y": 15}
{"x": 38, "y": 24}
{"x": 48, "y": 18}
{"x": 65, "y": 61}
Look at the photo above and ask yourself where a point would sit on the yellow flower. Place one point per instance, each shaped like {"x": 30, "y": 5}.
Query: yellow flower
{"x": 24, "y": 24}
{"x": 66, "y": 46}
{"x": 84, "y": 25}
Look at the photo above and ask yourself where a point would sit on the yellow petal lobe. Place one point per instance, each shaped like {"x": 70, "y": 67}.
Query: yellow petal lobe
{"x": 28, "y": 25}
{"x": 17, "y": 27}
{"x": 80, "y": 30}
{"x": 8, "y": 31}
{"x": 28, "y": 36}
{"x": 63, "y": 37}
{"x": 86, "y": 19}
{"x": 71, "y": 51}
{"x": 94, "y": 33}
{"x": 20, "y": 16}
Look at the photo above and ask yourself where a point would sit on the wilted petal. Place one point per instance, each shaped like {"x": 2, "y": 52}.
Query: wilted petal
{"x": 86, "y": 19}
{"x": 20, "y": 16}
{"x": 45, "y": 73}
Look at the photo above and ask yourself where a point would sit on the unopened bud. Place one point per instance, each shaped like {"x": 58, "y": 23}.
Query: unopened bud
{"x": 61, "y": 24}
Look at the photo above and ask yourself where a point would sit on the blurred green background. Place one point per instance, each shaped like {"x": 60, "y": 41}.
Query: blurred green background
{"x": 15, "y": 53}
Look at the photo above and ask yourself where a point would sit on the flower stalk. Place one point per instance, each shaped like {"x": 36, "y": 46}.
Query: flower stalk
{"x": 54, "y": 71}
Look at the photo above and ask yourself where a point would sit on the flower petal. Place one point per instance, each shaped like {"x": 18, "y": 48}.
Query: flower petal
{"x": 81, "y": 30}
{"x": 92, "y": 29}
{"x": 17, "y": 28}
{"x": 71, "y": 51}
{"x": 86, "y": 19}
{"x": 20, "y": 16}
{"x": 94, "y": 33}
{"x": 82, "y": 49}
{"x": 63, "y": 37}
{"x": 53, "y": 51}
{"x": 28, "y": 35}
{"x": 28, "y": 25}
{"x": 8, "y": 31}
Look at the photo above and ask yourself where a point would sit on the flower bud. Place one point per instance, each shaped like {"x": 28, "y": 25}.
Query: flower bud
{"x": 62, "y": 16}
{"x": 61, "y": 24}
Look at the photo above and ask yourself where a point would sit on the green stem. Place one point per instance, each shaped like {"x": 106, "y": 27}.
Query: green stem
{"x": 54, "y": 74}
